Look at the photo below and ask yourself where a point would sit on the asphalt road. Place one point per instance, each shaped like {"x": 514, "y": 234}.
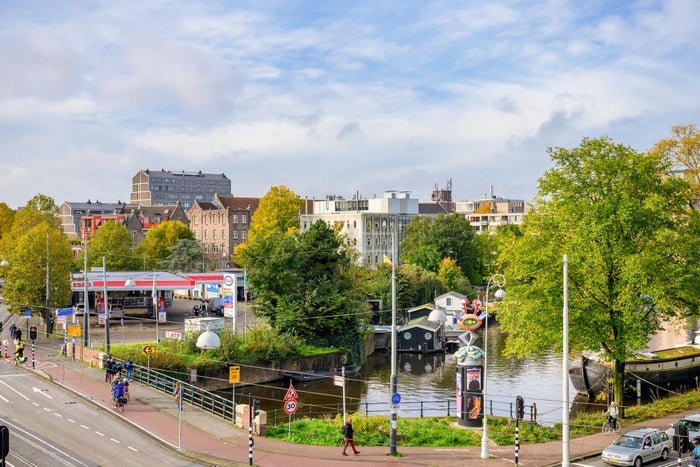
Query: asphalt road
{"x": 49, "y": 426}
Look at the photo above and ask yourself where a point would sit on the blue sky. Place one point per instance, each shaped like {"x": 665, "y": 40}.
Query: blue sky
{"x": 332, "y": 97}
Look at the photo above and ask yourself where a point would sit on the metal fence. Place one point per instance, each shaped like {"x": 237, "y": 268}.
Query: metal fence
{"x": 225, "y": 408}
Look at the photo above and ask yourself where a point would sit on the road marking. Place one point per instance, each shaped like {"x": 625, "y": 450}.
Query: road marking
{"x": 86, "y": 427}
{"x": 115, "y": 440}
{"x": 15, "y": 390}
{"x": 4, "y": 399}
{"x": 133, "y": 449}
{"x": 42, "y": 392}
{"x": 35, "y": 403}
{"x": 58, "y": 414}
{"x": 70, "y": 420}
{"x": 47, "y": 409}
{"x": 101, "y": 434}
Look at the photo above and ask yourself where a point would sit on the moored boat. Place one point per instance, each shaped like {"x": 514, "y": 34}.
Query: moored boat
{"x": 665, "y": 369}
{"x": 312, "y": 375}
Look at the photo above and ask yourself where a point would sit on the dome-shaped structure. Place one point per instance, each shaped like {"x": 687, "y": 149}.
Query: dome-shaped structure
{"x": 437, "y": 316}
{"x": 208, "y": 340}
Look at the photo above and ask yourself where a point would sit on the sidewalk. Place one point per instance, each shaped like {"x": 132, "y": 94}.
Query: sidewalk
{"x": 211, "y": 440}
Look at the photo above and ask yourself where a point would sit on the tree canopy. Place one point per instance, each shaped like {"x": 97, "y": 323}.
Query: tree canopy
{"x": 154, "y": 246}
{"x": 113, "y": 241}
{"x": 306, "y": 284}
{"x": 630, "y": 239}
{"x": 683, "y": 150}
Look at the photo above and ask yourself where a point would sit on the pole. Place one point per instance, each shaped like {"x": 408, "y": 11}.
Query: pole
{"x": 392, "y": 438}
{"x": 565, "y": 443}
{"x": 179, "y": 416}
{"x": 235, "y": 301}
{"x": 104, "y": 283}
{"x": 517, "y": 439}
{"x": 86, "y": 301}
{"x": 343, "y": 373}
{"x": 250, "y": 429}
{"x": 154, "y": 298}
{"x": 46, "y": 309}
{"x": 233, "y": 399}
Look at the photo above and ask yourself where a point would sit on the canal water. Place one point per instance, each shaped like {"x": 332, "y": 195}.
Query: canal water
{"x": 431, "y": 379}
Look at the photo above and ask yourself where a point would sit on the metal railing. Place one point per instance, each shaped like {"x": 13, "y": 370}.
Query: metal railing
{"x": 225, "y": 408}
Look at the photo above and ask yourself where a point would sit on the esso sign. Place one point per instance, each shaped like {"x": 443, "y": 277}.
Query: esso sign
{"x": 78, "y": 285}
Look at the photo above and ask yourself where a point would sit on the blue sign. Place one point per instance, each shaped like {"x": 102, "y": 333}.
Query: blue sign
{"x": 396, "y": 398}
{"x": 27, "y": 313}
{"x": 64, "y": 311}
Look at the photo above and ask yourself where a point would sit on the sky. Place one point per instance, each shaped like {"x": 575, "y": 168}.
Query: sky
{"x": 332, "y": 97}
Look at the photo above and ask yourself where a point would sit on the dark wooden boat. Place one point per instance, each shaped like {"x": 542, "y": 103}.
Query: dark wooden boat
{"x": 312, "y": 375}
{"x": 662, "y": 369}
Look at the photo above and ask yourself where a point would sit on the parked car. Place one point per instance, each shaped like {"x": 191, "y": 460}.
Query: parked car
{"x": 692, "y": 423}
{"x": 79, "y": 309}
{"x": 116, "y": 310}
{"x": 637, "y": 447}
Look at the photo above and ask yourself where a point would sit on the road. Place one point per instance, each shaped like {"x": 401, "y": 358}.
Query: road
{"x": 670, "y": 462}
{"x": 49, "y": 426}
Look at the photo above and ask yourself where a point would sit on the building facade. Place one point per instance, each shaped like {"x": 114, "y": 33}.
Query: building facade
{"x": 166, "y": 188}
{"x": 221, "y": 225}
{"x": 368, "y": 224}
{"x": 70, "y": 213}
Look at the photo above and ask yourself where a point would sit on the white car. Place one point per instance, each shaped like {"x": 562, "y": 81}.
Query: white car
{"x": 637, "y": 447}
{"x": 691, "y": 422}
{"x": 116, "y": 311}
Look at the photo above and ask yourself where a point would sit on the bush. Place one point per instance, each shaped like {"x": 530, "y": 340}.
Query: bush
{"x": 265, "y": 344}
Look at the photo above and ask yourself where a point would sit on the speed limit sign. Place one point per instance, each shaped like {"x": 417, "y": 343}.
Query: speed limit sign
{"x": 291, "y": 406}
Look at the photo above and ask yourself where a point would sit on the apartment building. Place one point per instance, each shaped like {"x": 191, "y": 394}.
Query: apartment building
{"x": 166, "y": 188}
{"x": 220, "y": 225}
{"x": 71, "y": 212}
{"x": 369, "y": 224}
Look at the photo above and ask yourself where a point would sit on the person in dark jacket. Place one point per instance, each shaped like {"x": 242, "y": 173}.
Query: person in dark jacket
{"x": 348, "y": 434}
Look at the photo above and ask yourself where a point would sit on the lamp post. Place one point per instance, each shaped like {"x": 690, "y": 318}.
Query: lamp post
{"x": 499, "y": 281}
{"x": 46, "y": 308}
{"x": 394, "y": 388}
{"x": 104, "y": 282}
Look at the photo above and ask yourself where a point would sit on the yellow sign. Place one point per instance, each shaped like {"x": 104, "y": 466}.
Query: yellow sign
{"x": 148, "y": 349}
{"x": 74, "y": 330}
{"x": 234, "y": 374}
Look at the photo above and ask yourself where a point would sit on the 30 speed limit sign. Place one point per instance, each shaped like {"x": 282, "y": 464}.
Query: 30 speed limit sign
{"x": 291, "y": 406}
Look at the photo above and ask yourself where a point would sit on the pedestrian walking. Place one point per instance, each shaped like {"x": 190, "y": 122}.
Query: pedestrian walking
{"x": 13, "y": 330}
{"x": 18, "y": 336}
{"x": 348, "y": 437}
{"x": 108, "y": 369}
{"x": 129, "y": 367}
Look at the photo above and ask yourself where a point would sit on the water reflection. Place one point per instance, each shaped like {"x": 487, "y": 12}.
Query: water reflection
{"x": 431, "y": 378}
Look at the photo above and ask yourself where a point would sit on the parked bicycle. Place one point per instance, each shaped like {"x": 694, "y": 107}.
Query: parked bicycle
{"x": 607, "y": 427}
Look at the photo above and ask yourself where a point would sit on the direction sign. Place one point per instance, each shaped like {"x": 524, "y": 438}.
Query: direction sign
{"x": 74, "y": 330}
{"x": 338, "y": 380}
{"x": 148, "y": 349}
{"x": 291, "y": 393}
{"x": 291, "y": 406}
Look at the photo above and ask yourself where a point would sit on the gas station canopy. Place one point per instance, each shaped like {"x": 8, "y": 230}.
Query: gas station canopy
{"x": 144, "y": 280}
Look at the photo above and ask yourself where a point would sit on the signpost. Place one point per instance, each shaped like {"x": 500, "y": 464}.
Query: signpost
{"x": 290, "y": 405}
{"x": 234, "y": 376}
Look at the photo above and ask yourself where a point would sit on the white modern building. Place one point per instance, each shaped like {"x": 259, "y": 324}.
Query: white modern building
{"x": 366, "y": 223}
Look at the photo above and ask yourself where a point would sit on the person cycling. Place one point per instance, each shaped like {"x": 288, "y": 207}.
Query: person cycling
{"x": 695, "y": 454}
{"x": 613, "y": 412}
{"x": 118, "y": 391}
{"x": 19, "y": 353}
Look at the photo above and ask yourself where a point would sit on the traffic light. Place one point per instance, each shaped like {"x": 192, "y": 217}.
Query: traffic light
{"x": 0, "y": 326}
{"x": 519, "y": 407}
{"x": 32, "y": 333}
{"x": 256, "y": 408}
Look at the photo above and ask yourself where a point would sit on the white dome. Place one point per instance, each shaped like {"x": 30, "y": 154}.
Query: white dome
{"x": 208, "y": 340}
{"x": 437, "y": 316}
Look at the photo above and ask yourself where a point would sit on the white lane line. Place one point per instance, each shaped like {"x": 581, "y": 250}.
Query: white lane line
{"x": 98, "y": 433}
{"x": 4, "y": 399}
{"x": 70, "y": 420}
{"x": 115, "y": 440}
{"x": 35, "y": 404}
{"x": 46, "y": 408}
{"x": 58, "y": 414}
{"x": 86, "y": 427}
{"x": 15, "y": 390}
{"x": 133, "y": 449}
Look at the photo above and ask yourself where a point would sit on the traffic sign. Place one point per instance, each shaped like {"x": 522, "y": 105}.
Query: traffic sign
{"x": 396, "y": 398}
{"x": 234, "y": 374}
{"x": 148, "y": 349}
{"x": 291, "y": 406}
{"x": 291, "y": 393}
{"x": 338, "y": 380}
{"x": 74, "y": 330}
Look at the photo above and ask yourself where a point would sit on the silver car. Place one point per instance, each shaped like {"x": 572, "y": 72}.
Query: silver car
{"x": 637, "y": 447}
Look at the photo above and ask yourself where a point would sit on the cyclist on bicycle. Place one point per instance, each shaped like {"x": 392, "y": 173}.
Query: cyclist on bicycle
{"x": 19, "y": 353}
{"x": 118, "y": 391}
{"x": 613, "y": 412}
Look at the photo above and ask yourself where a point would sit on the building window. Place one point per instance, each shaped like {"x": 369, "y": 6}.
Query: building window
{"x": 195, "y": 219}
{"x": 215, "y": 248}
{"x": 235, "y": 219}
{"x": 235, "y": 234}
{"x": 213, "y": 234}
{"x": 223, "y": 234}
{"x": 206, "y": 248}
{"x": 215, "y": 219}
{"x": 206, "y": 235}
{"x": 244, "y": 219}
{"x": 244, "y": 234}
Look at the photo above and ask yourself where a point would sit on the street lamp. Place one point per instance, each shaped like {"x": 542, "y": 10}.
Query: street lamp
{"x": 499, "y": 281}
{"x": 104, "y": 282}
{"x": 46, "y": 308}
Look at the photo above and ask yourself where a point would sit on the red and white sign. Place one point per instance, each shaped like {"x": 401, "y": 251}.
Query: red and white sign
{"x": 291, "y": 393}
{"x": 291, "y": 406}
{"x": 338, "y": 381}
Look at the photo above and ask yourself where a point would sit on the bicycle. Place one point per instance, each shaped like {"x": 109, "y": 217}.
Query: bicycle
{"x": 607, "y": 427}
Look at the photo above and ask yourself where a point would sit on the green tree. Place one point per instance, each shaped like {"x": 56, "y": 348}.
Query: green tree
{"x": 154, "y": 246}
{"x": 186, "y": 255}
{"x": 305, "y": 284}
{"x": 450, "y": 273}
{"x": 7, "y": 218}
{"x": 113, "y": 241}
{"x": 629, "y": 238}
{"x": 683, "y": 149}
{"x": 428, "y": 241}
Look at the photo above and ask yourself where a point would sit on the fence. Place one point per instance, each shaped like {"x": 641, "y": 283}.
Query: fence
{"x": 225, "y": 408}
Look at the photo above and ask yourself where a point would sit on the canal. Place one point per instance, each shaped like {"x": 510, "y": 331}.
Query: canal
{"x": 430, "y": 379}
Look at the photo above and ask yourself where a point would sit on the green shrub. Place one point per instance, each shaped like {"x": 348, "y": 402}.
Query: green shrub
{"x": 265, "y": 344}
